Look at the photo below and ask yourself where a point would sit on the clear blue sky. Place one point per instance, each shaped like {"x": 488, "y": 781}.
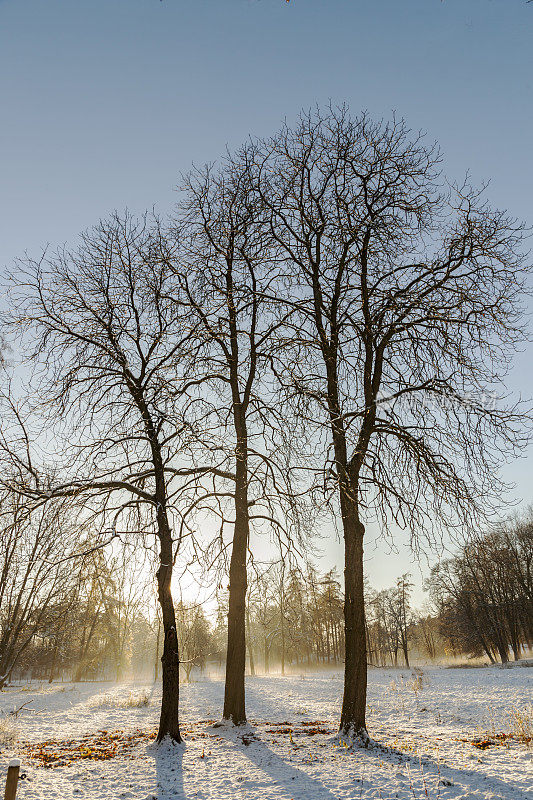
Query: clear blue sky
{"x": 104, "y": 102}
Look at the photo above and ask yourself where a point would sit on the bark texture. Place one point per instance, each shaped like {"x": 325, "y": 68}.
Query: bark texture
{"x": 234, "y": 695}
{"x": 353, "y": 715}
{"x": 169, "y": 719}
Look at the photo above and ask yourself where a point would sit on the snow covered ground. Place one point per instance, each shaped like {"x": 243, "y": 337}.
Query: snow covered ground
{"x": 424, "y": 725}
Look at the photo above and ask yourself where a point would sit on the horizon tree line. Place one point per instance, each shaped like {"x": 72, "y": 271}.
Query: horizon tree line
{"x": 102, "y": 623}
{"x": 484, "y": 595}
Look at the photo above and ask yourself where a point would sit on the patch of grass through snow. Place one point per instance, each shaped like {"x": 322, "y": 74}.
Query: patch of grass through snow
{"x": 133, "y": 700}
{"x": 8, "y": 730}
{"x": 521, "y": 724}
{"x": 517, "y": 725}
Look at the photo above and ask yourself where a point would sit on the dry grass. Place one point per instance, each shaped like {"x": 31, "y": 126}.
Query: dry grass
{"x": 133, "y": 700}
{"x": 415, "y": 683}
{"x": 8, "y": 730}
{"x": 517, "y": 727}
{"x": 521, "y": 724}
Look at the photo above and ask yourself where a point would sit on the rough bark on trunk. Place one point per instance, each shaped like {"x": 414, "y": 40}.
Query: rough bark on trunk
{"x": 170, "y": 665}
{"x": 353, "y": 714}
{"x": 234, "y": 698}
{"x": 353, "y": 719}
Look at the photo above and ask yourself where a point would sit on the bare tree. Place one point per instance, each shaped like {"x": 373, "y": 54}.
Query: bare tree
{"x": 33, "y": 578}
{"x": 226, "y": 275}
{"x": 483, "y": 594}
{"x": 399, "y": 612}
{"x": 407, "y": 305}
{"x": 106, "y": 345}
{"x": 195, "y": 637}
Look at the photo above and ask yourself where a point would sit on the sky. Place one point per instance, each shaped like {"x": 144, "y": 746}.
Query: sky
{"x": 104, "y": 103}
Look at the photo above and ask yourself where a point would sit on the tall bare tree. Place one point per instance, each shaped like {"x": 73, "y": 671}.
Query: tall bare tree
{"x": 106, "y": 344}
{"x": 227, "y": 272}
{"x": 407, "y": 306}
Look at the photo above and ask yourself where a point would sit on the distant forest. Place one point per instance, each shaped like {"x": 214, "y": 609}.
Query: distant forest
{"x": 97, "y": 622}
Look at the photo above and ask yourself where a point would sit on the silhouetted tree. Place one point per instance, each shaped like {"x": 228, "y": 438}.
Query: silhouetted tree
{"x": 107, "y": 345}
{"x": 406, "y": 301}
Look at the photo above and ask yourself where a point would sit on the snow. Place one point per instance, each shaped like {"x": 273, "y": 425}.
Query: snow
{"x": 424, "y": 727}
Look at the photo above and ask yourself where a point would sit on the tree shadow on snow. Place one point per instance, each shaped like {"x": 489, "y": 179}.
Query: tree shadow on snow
{"x": 298, "y": 784}
{"x": 469, "y": 779}
{"x": 168, "y": 759}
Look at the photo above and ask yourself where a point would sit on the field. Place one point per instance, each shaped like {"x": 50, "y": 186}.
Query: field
{"x": 438, "y": 734}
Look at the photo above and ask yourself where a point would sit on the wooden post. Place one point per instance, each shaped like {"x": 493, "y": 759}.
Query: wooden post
{"x": 12, "y": 779}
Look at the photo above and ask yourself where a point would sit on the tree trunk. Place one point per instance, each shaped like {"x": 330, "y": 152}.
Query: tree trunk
{"x": 266, "y": 656}
{"x": 234, "y": 699}
{"x": 156, "y": 665}
{"x": 252, "y": 663}
{"x": 353, "y": 720}
{"x": 250, "y": 650}
{"x": 503, "y": 650}
{"x": 282, "y": 644}
{"x": 405, "y": 649}
{"x": 488, "y": 652}
{"x": 80, "y": 669}
{"x": 169, "y": 720}
{"x": 53, "y": 664}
